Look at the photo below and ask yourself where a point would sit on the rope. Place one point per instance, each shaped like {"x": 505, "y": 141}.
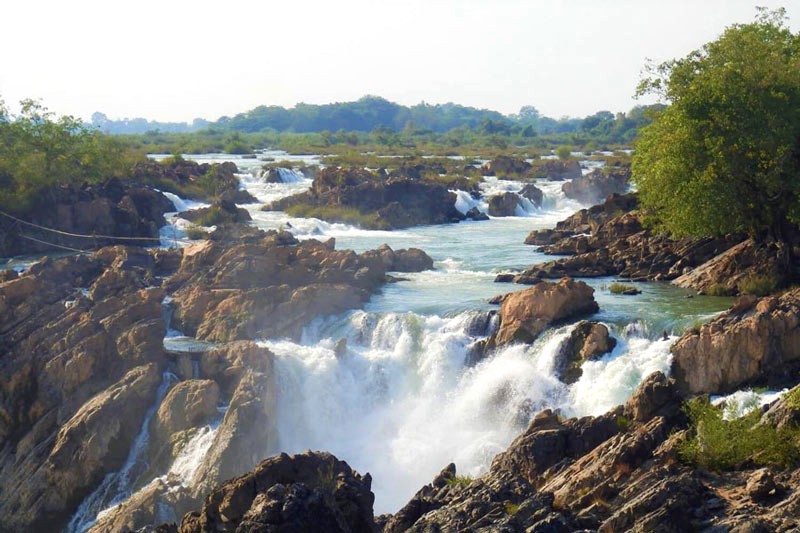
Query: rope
{"x": 53, "y": 244}
{"x": 65, "y": 233}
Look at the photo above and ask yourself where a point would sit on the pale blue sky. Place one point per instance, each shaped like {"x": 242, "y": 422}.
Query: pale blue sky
{"x": 177, "y": 60}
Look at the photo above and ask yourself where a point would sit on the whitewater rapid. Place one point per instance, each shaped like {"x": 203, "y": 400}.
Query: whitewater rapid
{"x": 403, "y": 396}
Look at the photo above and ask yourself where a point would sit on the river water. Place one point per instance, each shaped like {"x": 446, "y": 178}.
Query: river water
{"x": 403, "y": 401}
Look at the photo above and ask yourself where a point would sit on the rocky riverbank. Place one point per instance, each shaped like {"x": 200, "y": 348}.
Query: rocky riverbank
{"x": 84, "y": 359}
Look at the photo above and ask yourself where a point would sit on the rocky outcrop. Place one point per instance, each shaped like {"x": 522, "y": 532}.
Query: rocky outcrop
{"x": 759, "y": 341}
{"x": 220, "y": 212}
{"x": 555, "y": 169}
{"x": 308, "y": 492}
{"x": 109, "y": 209}
{"x": 503, "y": 205}
{"x": 586, "y": 341}
{"x": 598, "y": 184}
{"x": 506, "y": 167}
{"x": 269, "y": 284}
{"x": 606, "y": 241}
{"x": 189, "y": 179}
{"x": 83, "y": 355}
{"x": 525, "y": 314}
{"x": 381, "y": 202}
{"x": 741, "y": 268}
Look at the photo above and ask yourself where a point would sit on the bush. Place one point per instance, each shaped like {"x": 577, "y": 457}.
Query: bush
{"x": 564, "y": 152}
{"x": 622, "y": 288}
{"x": 758, "y": 285}
{"x": 195, "y": 233}
{"x": 718, "y": 290}
{"x": 460, "y": 481}
{"x": 721, "y": 444}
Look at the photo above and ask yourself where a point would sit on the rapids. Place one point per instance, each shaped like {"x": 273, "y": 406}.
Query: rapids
{"x": 404, "y": 399}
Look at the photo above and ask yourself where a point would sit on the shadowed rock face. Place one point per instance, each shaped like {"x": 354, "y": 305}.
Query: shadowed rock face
{"x": 758, "y": 339}
{"x": 108, "y": 209}
{"x": 313, "y": 491}
{"x": 597, "y": 185}
{"x": 386, "y": 203}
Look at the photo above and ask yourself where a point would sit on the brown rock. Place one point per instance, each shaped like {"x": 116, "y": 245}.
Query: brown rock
{"x": 525, "y": 314}
{"x": 587, "y": 341}
{"x": 503, "y": 205}
{"x": 738, "y": 348}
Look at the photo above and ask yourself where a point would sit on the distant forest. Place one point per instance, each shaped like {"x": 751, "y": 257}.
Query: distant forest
{"x": 376, "y": 115}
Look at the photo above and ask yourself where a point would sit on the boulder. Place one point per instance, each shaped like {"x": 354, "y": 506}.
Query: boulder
{"x": 532, "y": 193}
{"x": 476, "y": 214}
{"x": 503, "y": 205}
{"x": 598, "y": 184}
{"x": 587, "y": 341}
{"x": 525, "y": 314}
{"x": 506, "y": 167}
{"x": 555, "y": 169}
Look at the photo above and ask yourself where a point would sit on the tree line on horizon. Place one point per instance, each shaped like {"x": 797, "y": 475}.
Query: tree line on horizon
{"x": 382, "y": 118}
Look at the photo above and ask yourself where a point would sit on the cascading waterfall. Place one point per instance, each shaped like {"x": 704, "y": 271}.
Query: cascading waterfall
{"x": 402, "y": 401}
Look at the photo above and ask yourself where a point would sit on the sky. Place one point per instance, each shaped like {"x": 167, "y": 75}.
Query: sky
{"x": 175, "y": 60}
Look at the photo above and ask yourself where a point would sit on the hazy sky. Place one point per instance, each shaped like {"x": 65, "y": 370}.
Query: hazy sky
{"x": 177, "y": 60}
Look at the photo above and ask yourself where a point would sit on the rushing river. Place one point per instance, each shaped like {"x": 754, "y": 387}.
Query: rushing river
{"x": 403, "y": 402}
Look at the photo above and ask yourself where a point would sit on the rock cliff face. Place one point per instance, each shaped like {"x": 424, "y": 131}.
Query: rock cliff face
{"x": 383, "y": 202}
{"x": 758, "y": 339}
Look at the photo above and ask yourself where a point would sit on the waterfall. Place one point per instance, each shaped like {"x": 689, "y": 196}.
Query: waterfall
{"x": 116, "y": 487}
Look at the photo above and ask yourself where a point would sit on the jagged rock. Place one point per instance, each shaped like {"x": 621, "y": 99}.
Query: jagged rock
{"x": 734, "y": 268}
{"x": 189, "y": 404}
{"x": 555, "y": 169}
{"x": 763, "y": 343}
{"x": 503, "y": 205}
{"x": 587, "y": 341}
{"x": 223, "y": 211}
{"x": 305, "y": 492}
{"x": 162, "y": 501}
{"x": 761, "y": 485}
{"x": 655, "y": 396}
{"x": 784, "y": 412}
{"x": 525, "y": 314}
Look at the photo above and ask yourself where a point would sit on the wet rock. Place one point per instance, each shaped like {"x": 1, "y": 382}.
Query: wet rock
{"x": 532, "y": 193}
{"x": 476, "y": 214}
{"x": 762, "y": 343}
{"x": 503, "y": 205}
{"x": 525, "y": 314}
{"x": 587, "y": 341}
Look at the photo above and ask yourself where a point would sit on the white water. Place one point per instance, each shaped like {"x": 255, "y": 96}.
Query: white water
{"x": 402, "y": 402}
{"x": 739, "y": 403}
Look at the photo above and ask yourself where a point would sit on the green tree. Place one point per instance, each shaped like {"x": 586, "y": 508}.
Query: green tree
{"x": 725, "y": 155}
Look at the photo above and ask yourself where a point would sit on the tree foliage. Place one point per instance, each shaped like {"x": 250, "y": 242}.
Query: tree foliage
{"x": 725, "y": 155}
{"x": 38, "y": 149}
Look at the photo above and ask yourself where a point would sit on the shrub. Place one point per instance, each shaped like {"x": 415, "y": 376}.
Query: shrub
{"x": 718, "y": 290}
{"x": 721, "y": 444}
{"x": 511, "y": 508}
{"x": 564, "y": 152}
{"x": 622, "y": 288}
{"x": 195, "y": 233}
{"x": 460, "y": 481}
{"x": 758, "y": 285}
